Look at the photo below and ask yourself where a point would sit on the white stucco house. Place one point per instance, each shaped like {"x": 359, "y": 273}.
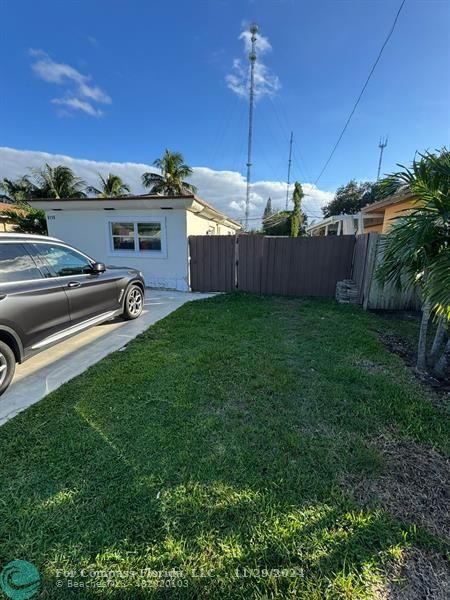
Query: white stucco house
{"x": 147, "y": 232}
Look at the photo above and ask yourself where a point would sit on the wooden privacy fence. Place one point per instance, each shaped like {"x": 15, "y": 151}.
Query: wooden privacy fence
{"x": 372, "y": 295}
{"x": 212, "y": 263}
{"x": 304, "y": 266}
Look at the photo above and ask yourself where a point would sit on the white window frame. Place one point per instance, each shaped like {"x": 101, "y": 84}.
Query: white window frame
{"x": 137, "y": 252}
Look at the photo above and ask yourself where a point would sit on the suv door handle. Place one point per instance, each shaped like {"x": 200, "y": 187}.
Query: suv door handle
{"x": 2, "y": 296}
{"x": 73, "y": 284}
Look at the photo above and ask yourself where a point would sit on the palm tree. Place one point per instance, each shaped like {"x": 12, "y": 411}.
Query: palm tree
{"x": 417, "y": 248}
{"x": 20, "y": 189}
{"x": 171, "y": 180}
{"x": 59, "y": 182}
{"x": 111, "y": 186}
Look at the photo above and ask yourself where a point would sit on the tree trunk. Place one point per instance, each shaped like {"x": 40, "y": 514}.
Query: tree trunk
{"x": 443, "y": 363}
{"x": 421, "y": 365}
{"x": 438, "y": 341}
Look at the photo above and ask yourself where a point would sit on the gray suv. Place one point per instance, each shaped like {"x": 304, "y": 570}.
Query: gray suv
{"x": 50, "y": 291}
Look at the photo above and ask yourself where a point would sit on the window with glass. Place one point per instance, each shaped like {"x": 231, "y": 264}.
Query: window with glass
{"x": 123, "y": 236}
{"x": 63, "y": 261}
{"x": 16, "y": 264}
{"x": 136, "y": 236}
{"x": 149, "y": 236}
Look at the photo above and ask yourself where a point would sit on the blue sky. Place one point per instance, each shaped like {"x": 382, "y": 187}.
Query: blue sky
{"x": 135, "y": 77}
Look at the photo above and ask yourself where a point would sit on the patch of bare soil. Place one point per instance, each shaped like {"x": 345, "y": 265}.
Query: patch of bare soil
{"x": 399, "y": 346}
{"x": 415, "y": 486}
{"x": 420, "y": 576}
{"x": 402, "y": 348}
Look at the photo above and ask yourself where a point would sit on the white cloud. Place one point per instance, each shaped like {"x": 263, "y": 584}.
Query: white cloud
{"x": 81, "y": 93}
{"x": 224, "y": 189}
{"x": 77, "y": 104}
{"x": 266, "y": 83}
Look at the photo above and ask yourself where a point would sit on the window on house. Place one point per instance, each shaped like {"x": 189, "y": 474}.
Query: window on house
{"x": 122, "y": 236}
{"x": 149, "y": 236}
{"x": 137, "y": 236}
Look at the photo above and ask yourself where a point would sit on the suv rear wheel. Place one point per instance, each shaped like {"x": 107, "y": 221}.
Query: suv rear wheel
{"x": 134, "y": 302}
{"x": 7, "y": 366}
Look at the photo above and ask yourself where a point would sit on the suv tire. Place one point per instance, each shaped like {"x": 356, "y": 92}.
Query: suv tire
{"x": 7, "y": 366}
{"x": 134, "y": 302}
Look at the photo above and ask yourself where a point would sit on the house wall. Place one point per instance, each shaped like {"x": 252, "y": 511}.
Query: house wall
{"x": 88, "y": 231}
{"x": 198, "y": 225}
{"x": 377, "y": 228}
{"x": 395, "y": 210}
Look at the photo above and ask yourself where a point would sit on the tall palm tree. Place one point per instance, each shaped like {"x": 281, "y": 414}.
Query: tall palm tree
{"x": 171, "y": 180}
{"x": 59, "y": 182}
{"x": 417, "y": 249}
{"x": 111, "y": 186}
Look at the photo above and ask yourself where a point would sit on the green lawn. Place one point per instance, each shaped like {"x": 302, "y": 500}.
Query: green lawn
{"x": 222, "y": 441}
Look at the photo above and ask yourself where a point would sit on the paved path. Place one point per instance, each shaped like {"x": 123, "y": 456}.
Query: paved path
{"x": 46, "y": 371}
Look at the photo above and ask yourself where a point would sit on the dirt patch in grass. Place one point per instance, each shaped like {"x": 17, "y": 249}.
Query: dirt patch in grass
{"x": 419, "y": 576}
{"x": 415, "y": 486}
{"x": 399, "y": 346}
{"x": 404, "y": 349}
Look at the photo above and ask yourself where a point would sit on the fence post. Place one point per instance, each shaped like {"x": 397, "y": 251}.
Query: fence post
{"x": 370, "y": 267}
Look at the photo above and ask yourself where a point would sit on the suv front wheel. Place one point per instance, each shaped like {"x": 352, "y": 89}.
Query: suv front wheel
{"x": 134, "y": 302}
{"x": 7, "y": 366}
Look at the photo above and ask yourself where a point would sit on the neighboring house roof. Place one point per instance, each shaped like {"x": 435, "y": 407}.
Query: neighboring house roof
{"x": 4, "y": 206}
{"x": 390, "y": 200}
{"x": 369, "y": 214}
{"x": 189, "y": 202}
{"x": 346, "y": 224}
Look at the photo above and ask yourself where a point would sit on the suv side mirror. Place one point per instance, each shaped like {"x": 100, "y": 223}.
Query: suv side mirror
{"x": 98, "y": 267}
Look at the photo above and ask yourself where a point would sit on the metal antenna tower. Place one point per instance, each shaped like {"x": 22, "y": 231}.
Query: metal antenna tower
{"x": 289, "y": 169}
{"x": 382, "y": 145}
{"x": 252, "y": 58}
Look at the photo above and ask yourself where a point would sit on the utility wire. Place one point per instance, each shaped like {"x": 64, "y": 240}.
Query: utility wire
{"x": 362, "y": 92}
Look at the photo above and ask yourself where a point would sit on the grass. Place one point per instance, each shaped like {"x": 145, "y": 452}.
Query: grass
{"x": 217, "y": 444}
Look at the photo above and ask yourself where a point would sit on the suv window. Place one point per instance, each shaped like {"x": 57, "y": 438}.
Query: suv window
{"x": 16, "y": 264}
{"x": 63, "y": 261}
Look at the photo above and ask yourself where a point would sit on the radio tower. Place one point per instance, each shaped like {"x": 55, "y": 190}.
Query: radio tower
{"x": 289, "y": 169}
{"x": 382, "y": 145}
{"x": 252, "y": 58}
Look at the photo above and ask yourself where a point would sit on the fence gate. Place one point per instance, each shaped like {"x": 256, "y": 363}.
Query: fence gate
{"x": 212, "y": 263}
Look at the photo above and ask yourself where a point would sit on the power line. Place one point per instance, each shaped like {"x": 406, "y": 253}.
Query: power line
{"x": 362, "y": 92}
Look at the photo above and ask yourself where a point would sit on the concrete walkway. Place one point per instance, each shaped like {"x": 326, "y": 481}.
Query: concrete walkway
{"x": 48, "y": 370}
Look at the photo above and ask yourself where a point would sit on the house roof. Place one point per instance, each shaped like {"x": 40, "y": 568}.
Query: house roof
{"x": 189, "y": 201}
{"x": 330, "y": 221}
{"x": 7, "y": 206}
{"x": 393, "y": 199}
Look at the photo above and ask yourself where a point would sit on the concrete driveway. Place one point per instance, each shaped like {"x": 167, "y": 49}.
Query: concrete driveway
{"x": 48, "y": 370}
